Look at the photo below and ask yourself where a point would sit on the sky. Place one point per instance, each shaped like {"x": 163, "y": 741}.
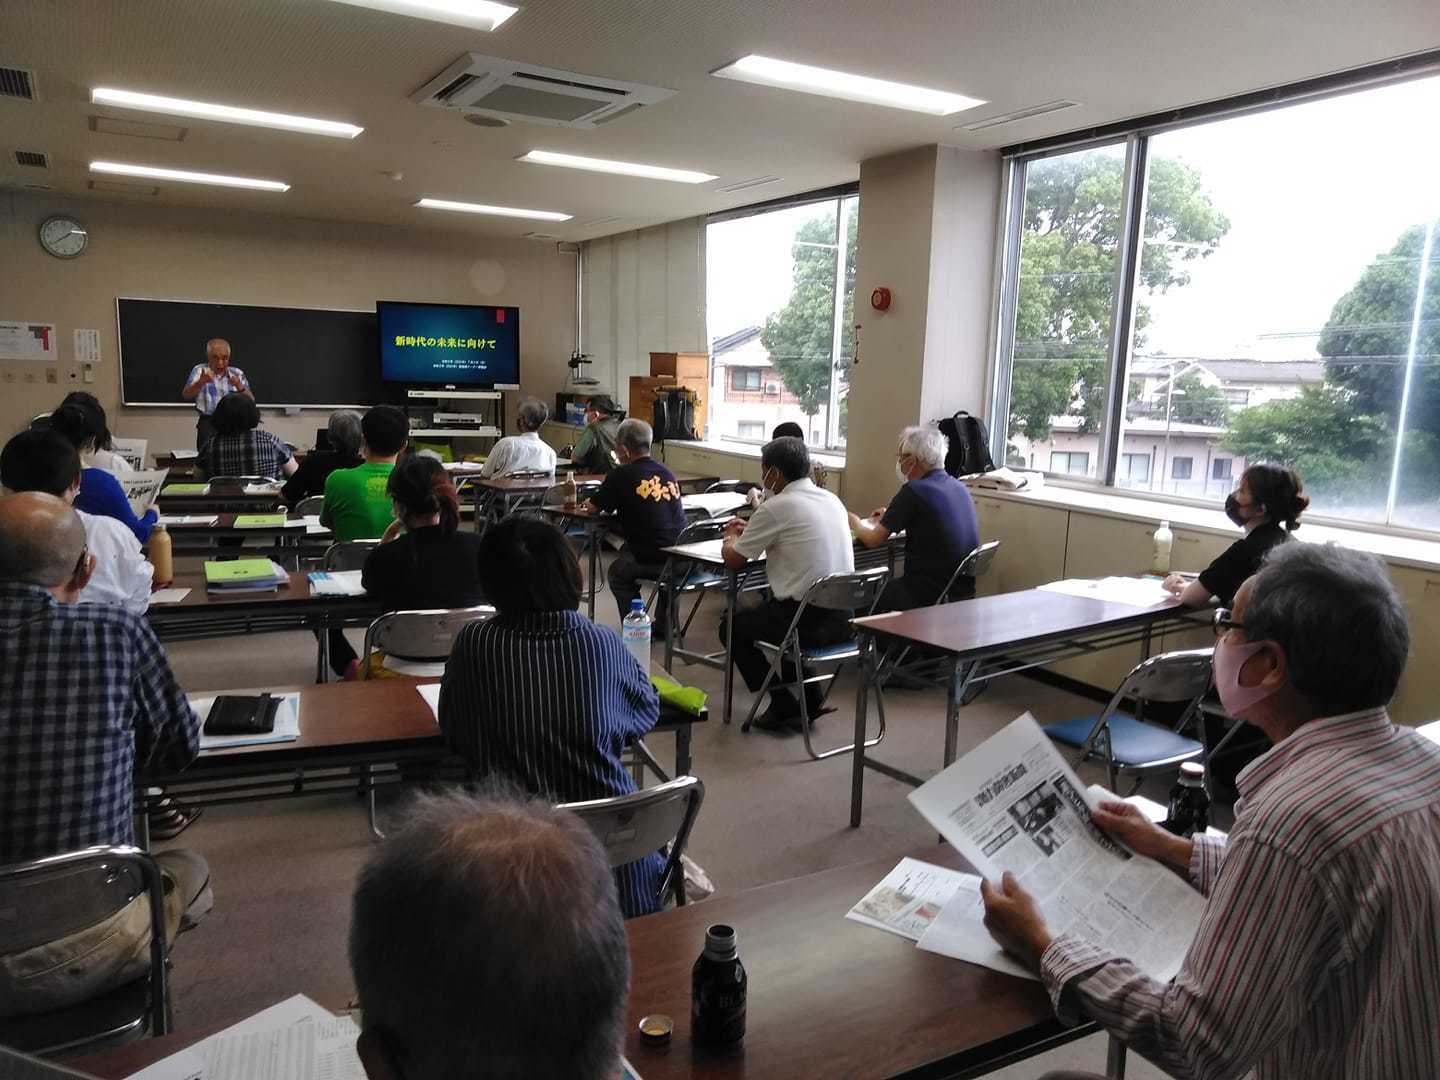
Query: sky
{"x": 1313, "y": 193}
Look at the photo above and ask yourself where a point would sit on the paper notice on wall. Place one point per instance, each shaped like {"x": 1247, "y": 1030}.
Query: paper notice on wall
{"x": 87, "y": 346}
{"x": 27, "y": 341}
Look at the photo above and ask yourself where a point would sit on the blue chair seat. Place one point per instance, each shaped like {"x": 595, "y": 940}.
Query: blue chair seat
{"x": 699, "y": 579}
{"x": 1132, "y": 742}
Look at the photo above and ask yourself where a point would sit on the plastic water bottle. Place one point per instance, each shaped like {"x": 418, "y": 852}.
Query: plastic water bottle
{"x": 635, "y": 631}
{"x": 161, "y": 555}
{"x": 1164, "y": 539}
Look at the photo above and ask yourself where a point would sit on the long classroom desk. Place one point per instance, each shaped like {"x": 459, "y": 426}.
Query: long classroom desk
{"x": 346, "y": 726}
{"x": 828, "y": 997}
{"x": 219, "y": 499}
{"x": 705, "y": 556}
{"x": 205, "y": 614}
{"x": 992, "y": 636}
{"x": 291, "y": 538}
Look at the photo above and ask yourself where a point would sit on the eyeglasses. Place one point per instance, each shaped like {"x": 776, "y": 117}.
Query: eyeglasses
{"x": 1225, "y": 621}
{"x": 82, "y": 562}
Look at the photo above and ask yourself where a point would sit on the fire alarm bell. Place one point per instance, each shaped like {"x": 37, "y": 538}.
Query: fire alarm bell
{"x": 880, "y": 299}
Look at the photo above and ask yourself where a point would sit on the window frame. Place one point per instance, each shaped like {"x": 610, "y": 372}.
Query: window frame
{"x": 1136, "y": 134}
{"x": 1189, "y": 461}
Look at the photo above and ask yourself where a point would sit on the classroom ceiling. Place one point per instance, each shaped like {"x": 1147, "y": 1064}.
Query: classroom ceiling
{"x": 1117, "y": 58}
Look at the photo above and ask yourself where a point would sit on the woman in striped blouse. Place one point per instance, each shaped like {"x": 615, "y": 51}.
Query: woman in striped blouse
{"x": 540, "y": 694}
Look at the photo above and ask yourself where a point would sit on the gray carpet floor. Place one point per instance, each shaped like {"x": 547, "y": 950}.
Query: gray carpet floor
{"x": 283, "y": 871}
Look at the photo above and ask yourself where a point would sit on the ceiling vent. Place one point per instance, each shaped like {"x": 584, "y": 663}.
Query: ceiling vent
{"x": 139, "y": 129}
{"x": 544, "y": 237}
{"x": 17, "y": 83}
{"x": 753, "y": 182}
{"x": 1020, "y": 114}
{"x": 510, "y": 90}
{"x": 32, "y": 159}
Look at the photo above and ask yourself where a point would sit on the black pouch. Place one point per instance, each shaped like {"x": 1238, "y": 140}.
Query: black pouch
{"x": 233, "y": 714}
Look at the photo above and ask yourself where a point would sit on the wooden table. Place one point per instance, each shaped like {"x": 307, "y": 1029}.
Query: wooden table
{"x": 205, "y": 614}
{"x": 350, "y": 725}
{"x": 992, "y": 636}
{"x": 286, "y": 539}
{"x": 220, "y": 498}
{"x": 706, "y": 556}
{"x": 827, "y": 997}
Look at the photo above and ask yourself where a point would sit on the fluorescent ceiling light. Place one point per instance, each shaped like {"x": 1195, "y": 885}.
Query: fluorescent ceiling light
{"x": 153, "y": 173}
{"x": 477, "y": 14}
{"x": 497, "y": 211}
{"x": 624, "y": 168}
{"x": 767, "y": 71}
{"x": 204, "y": 110}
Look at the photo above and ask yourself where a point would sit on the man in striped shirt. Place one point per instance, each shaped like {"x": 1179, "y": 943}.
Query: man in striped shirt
{"x": 1319, "y": 952}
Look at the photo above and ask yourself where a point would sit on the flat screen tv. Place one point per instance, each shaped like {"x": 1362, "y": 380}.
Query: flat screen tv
{"x": 451, "y": 346}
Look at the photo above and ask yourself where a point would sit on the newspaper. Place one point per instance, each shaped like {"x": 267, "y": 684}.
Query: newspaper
{"x": 141, "y": 488}
{"x": 1135, "y": 592}
{"x": 1013, "y": 804}
{"x": 959, "y": 931}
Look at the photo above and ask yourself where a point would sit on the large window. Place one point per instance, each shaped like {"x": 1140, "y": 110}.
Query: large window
{"x": 780, "y": 344}
{"x": 1260, "y": 287}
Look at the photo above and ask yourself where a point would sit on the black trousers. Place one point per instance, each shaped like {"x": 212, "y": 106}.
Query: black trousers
{"x": 631, "y": 567}
{"x": 204, "y": 431}
{"x": 768, "y": 622}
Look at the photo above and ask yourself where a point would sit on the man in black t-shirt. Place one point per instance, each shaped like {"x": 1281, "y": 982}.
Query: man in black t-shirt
{"x": 645, "y": 497}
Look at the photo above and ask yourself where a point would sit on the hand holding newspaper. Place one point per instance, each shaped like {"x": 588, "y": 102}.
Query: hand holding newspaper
{"x": 142, "y": 488}
{"x": 1013, "y": 804}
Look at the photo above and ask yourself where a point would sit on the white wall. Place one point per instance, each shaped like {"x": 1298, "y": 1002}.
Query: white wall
{"x": 152, "y": 250}
{"x": 644, "y": 292}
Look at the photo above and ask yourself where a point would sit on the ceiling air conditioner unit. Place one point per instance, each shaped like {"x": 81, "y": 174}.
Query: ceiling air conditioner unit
{"x": 490, "y": 86}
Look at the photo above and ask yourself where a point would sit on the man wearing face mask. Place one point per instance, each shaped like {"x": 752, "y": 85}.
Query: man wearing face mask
{"x": 1267, "y": 505}
{"x": 1316, "y": 956}
{"x": 802, "y": 531}
{"x": 937, "y": 515}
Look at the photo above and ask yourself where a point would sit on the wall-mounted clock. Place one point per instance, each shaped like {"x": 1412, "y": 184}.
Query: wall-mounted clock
{"x": 63, "y": 236}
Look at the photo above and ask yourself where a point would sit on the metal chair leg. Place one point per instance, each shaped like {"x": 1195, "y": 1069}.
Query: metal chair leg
{"x": 848, "y": 747}
{"x": 374, "y": 823}
{"x": 1115, "y": 1059}
{"x": 770, "y": 676}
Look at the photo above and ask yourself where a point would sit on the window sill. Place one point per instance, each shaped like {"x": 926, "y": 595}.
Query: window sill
{"x": 1400, "y": 550}
{"x": 830, "y": 459}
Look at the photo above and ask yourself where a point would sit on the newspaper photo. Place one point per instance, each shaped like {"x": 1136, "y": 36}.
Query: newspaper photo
{"x": 1013, "y": 804}
{"x": 909, "y": 899}
{"x": 141, "y": 488}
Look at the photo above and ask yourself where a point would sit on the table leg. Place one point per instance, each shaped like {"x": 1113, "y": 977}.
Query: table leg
{"x": 1145, "y": 643}
{"x": 682, "y": 750}
{"x": 142, "y": 823}
{"x": 954, "y": 694}
{"x": 595, "y": 536}
{"x": 668, "y": 587}
{"x": 732, "y": 592}
{"x": 322, "y": 664}
{"x": 862, "y": 685}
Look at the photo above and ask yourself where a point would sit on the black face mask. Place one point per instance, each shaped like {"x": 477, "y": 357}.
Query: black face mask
{"x": 1232, "y": 510}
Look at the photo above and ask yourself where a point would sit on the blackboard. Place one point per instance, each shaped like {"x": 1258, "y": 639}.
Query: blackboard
{"x": 292, "y": 356}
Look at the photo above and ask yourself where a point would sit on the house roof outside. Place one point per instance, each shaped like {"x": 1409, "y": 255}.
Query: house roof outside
{"x": 721, "y": 345}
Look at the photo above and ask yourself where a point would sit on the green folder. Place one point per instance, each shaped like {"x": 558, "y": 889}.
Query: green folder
{"x": 259, "y": 521}
{"x": 184, "y": 489}
{"x": 238, "y": 571}
{"x": 689, "y": 699}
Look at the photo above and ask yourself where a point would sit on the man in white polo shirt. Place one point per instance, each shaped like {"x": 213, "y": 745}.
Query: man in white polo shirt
{"x": 524, "y": 452}
{"x": 804, "y": 533}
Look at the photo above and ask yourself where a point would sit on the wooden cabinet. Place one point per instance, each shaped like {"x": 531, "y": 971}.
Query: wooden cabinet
{"x": 681, "y": 365}
{"x": 644, "y": 389}
{"x": 1418, "y": 700}
{"x": 1032, "y": 544}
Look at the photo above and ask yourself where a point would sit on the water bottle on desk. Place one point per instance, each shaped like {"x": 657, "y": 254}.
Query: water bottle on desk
{"x": 160, "y": 552}
{"x": 1189, "y": 811}
{"x": 635, "y": 630}
{"x": 1164, "y": 540}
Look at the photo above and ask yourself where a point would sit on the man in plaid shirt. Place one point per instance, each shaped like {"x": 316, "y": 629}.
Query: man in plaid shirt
{"x": 86, "y": 697}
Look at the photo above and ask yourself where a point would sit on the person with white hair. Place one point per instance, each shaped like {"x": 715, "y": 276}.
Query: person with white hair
{"x": 525, "y": 452}
{"x": 1318, "y": 953}
{"x": 645, "y": 497}
{"x": 486, "y": 941}
{"x": 937, "y": 515}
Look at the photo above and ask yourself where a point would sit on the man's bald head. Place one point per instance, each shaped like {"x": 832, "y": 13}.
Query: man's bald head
{"x": 217, "y": 353}
{"x": 41, "y": 539}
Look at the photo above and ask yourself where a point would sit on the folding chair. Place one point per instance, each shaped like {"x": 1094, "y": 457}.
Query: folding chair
{"x": 311, "y": 505}
{"x": 1125, "y": 742}
{"x": 554, "y": 496}
{"x": 132, "y": 450}
{"x": 348, "y": 554}
{"x": 632, "y": 826}
{"x": 693, "y": 580}
{"x": 857, "y": 592}
{"x": 924, "y": 672}
{"x": 422, "y": 636}
{"x": 740, "y": 487}
{"x": 46, "y": 899}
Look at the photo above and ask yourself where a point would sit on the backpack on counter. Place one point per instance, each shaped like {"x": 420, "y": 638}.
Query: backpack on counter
{"x": 674, "y": 415}
{"x": 969, "y": 445}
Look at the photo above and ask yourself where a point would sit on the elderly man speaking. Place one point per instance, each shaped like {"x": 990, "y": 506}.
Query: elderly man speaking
{"x": 1319, "y": 952}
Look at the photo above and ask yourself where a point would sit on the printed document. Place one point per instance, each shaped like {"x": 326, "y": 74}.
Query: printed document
{"x": 336, "y": 583}
{"x": 1135, "y": 591}
{"x": 1013, "y": 804}
{"x": 141, "y": 488}
{"x": 909, "y": 898}
{"x": 959, "y": 931}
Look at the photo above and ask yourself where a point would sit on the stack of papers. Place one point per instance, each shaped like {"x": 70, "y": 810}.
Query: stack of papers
{"x": 245, "y": 575}
{"x": 294, "y": 1040}
{"x": 262, "y": 489}
{"x": 186, "y": 489}
{"x": 1136, "y": 592}
{"x": 286, "y": 729}
{"x": 184, "y": 455}
{"x": 168, "y": 596}
{"x": 312, "y": 524}
{"x": 260, "y": 521}
{"x": 170, "y": 520}
{"x": 336, "y": 583}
